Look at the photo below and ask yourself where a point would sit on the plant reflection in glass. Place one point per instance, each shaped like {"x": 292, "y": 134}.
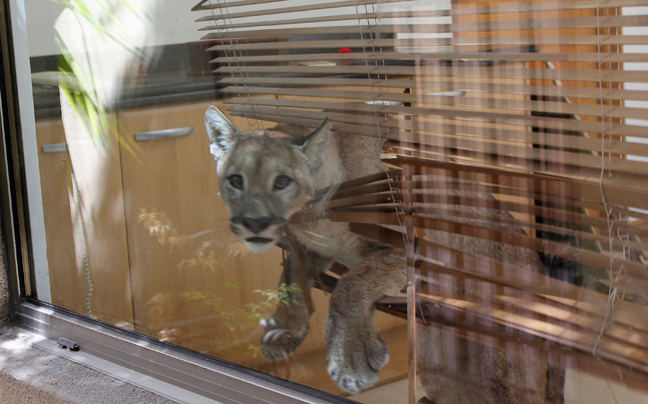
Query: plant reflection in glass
{"x": 97, "y": 40}
{"x": 236, "y": 328}
{"x": 79, "y": 82}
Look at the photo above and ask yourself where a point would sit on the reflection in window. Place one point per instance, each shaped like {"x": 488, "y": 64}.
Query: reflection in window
{"x": 486, "y": 195}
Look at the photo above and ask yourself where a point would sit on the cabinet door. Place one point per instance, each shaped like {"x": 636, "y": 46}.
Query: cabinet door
{"x": 85, "y": 229}
{"x": 191, "y": 278}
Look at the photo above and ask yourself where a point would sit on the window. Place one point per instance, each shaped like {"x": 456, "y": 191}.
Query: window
{"x": 482, "y": 190}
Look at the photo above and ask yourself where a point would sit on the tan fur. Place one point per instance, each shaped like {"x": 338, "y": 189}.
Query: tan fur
{"x": 452, "y": 369}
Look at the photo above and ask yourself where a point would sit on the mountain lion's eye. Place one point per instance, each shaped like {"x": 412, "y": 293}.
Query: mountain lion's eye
{"x": 282, "y": 182}
{"x": 236, "y": 181}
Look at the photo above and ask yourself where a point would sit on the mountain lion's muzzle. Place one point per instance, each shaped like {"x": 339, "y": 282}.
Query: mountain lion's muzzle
{"x": 259, "y": 233}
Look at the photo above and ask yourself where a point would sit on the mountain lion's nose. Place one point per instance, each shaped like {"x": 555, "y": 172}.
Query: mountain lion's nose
{"x": 257, "y": 224}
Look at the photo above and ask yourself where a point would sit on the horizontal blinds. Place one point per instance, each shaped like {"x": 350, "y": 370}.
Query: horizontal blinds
{"x": 540, "y": 24}
{"x": 528, "y": 40}
{"x": 512, "y": 7}
{"x": 532, "y": 109}
{"x": 520, "y": 7}
{"x": 441, "y": 86}
{"x": 439, "y": 72}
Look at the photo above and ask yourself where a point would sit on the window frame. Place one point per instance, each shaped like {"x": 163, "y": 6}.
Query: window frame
{"x": 207, "y": 376}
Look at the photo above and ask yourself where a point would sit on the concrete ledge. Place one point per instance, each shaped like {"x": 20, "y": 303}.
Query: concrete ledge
{"x": 34, "y": 370}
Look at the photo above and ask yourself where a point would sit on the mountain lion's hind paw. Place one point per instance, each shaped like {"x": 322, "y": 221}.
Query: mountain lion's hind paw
{"x": 356, "y": 368}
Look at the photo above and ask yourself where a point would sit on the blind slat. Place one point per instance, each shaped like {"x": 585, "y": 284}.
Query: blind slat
{"x": 519, "y": 8}
{"x": 576, "y": 165}
{"x": 480, "y": 103}
{"x": 239, "y": 3}
{"x": 199, "y": 6}
{"x": 620, "y": 196}
{"x": 491, "y": 26}
{"x": 535, "y": 304}
{"x": 563, "y": 210}
{"x": 509, "y": 274}
{"x": 423, "y": 42}
{"x": 457, "y": 214}
{"x": 571, "y": 5}
{"x": 634, "y": 357}
{"x": 563, "y": 124}
{"x": 372, "y": 202}
{"x": 261, "y": 33}
{"x": 451, "y": 85}
{"x": 567, "y": 317}
{"x": 564, "y": 169}
{"x": 636, "y": 271}
{"x": 430, "y": 72}
{"x": 369, "y": 203}
{"x": 453, "y": 131}
{"x": 564, "y": 224}
{"x": 464, "y": 56}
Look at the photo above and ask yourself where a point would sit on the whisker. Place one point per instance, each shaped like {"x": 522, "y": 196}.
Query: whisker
{"x": 216, "y": 218}
{"x": 201, "y": 233}
{"x": 303, "y": 233}
{"x": 204, "y": 246}
{"x": 221, "y": 241}
{"x": 316, "y": 235}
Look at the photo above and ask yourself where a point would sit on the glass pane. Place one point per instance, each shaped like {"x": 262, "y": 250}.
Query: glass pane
{"x": 469, "y": 225}
{"x": 136, "y": 232}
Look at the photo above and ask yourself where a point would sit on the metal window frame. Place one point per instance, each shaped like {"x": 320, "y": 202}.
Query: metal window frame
{"x": 201, "y": 374}
{"x": 207, "y": 376}
{"x": 9, "y": 213}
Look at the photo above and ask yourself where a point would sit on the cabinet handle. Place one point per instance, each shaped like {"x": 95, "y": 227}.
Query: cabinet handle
{"x": 55, "y": 147}
{"x": 164, "y": 134}
{"x": 63, "y": 147}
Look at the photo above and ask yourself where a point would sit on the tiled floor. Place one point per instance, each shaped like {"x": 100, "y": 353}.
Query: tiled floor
{"x": 580, "y": 388}
{"x": 395, "y": 392}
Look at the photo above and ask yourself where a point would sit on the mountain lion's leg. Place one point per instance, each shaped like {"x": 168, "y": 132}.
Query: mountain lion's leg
{"x": 288, "y": 326}
{"x": 355, "y": 350}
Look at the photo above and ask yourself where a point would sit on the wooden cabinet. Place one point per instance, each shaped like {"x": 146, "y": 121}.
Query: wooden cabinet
{"x": 85, "y": 227}
{"x": 139, "y": 236}
{"x": 189, "y": 274}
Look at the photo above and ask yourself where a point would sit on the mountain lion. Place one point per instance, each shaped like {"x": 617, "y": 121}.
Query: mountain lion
{"x": 265, "y": 177}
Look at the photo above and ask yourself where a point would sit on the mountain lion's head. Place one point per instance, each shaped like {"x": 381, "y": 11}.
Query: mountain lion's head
{"x": 265, "y": 175}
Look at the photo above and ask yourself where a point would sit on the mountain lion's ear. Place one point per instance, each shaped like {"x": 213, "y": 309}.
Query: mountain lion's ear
{"x": 314, "y": 145}
{"x": 222, "y": 133}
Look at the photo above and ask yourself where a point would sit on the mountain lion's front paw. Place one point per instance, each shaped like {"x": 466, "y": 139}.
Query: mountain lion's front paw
{"x": 354, "y": 358}
{"x": 280, "y": 340}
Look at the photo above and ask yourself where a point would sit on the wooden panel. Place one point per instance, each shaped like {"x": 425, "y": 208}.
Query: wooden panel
{"x": 187, "y": 269}
{"x": 105, "y": 235}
